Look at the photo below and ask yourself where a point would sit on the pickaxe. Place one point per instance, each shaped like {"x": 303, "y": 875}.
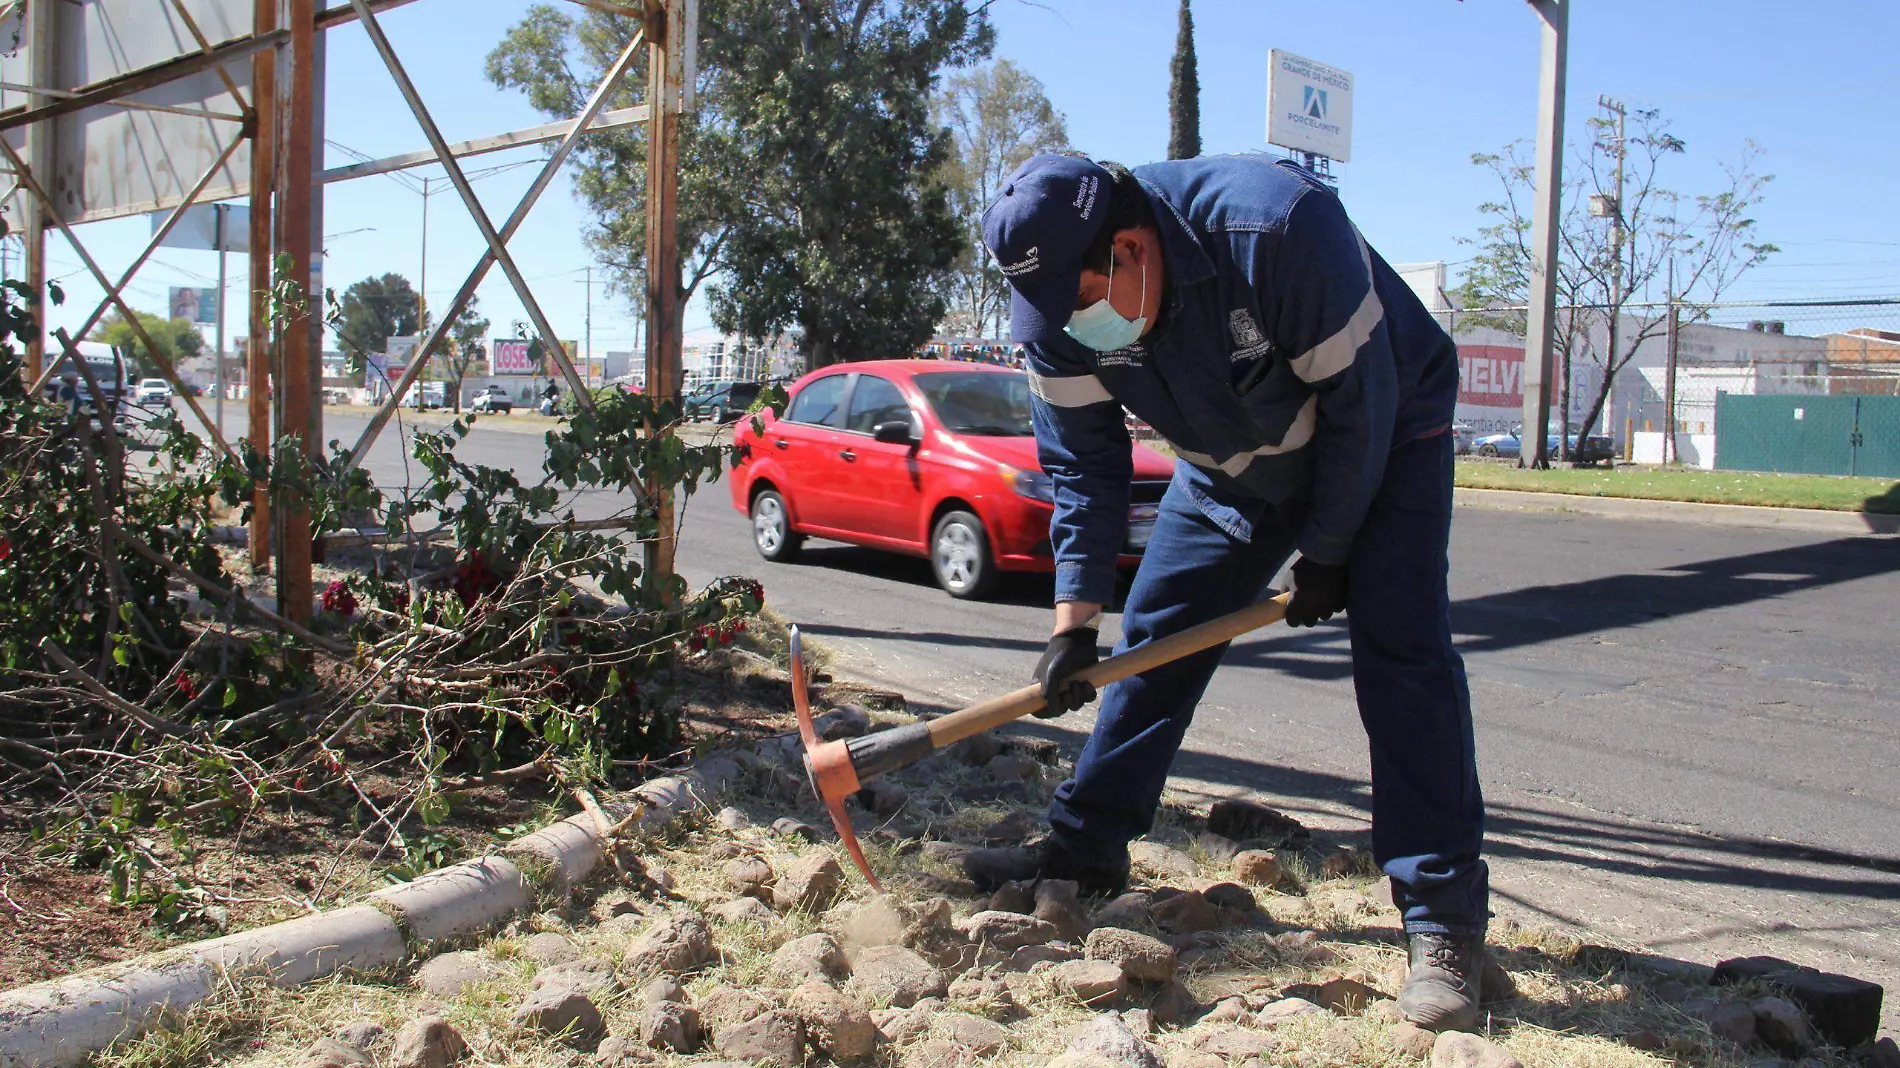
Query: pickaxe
{"x": 840, "y": 769}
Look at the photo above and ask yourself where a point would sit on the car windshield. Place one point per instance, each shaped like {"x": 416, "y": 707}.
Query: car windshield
{"x": 979, "y": 402}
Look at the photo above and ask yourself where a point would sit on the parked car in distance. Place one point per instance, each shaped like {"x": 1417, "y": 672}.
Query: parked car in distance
{"x": 426, "y": 395}
{"x": 1462, "y": 436}
{"x": 1590, "y": 449}
{"x": 491, "y": 398}
{"x": 722, "y": 402}
{"x": 152, "y": 391}
{"x": 927, "y": 458}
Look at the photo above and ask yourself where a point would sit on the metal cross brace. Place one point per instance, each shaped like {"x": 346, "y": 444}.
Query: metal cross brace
{"x": 470, "y": 201}
{"x": 497, "y": 243}
{"x": 114, "y": 297}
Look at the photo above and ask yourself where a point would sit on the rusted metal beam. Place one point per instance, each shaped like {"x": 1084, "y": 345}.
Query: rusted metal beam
{"x": 257, "y": 361}
{"x": 582, "y": 123}
{"x": 296, "y": 171}
{"x": 137, "y": 81}
{"x": 619, "y": 118}
{"x": 662, "y": 255}
{"x": 136, "y": 105}
{"x": 343, "y": 14}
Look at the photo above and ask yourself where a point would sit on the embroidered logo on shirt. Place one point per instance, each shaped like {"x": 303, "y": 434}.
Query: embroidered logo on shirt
{"x": 1128, "y": 357}
{"x": 1248, "y": 340}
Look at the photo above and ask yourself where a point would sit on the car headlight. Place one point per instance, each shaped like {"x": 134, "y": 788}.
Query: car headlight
{"x": 1031, "y": 484}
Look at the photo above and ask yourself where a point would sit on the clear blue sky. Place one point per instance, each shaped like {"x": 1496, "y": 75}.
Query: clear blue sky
{"x": 1436, "y": 80}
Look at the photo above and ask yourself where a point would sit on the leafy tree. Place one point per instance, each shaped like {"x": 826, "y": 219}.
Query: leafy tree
{"x": 556, "y": 60}
{"x": 998, "y": 116}
{"x": 1705, "y": 242}
{"x": 177, "y": 340}
{"x": 807, "y": 171}
{"x": 1184, "y": 93}
{"x": 465, "y": 342}
{"x": 374, "y": 310}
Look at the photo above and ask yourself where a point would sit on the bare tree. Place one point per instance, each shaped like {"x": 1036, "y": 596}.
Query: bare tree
{"x": 998, "y": 116}
{"x": 1703, "y": 242}
{"x": 462, "y": 346}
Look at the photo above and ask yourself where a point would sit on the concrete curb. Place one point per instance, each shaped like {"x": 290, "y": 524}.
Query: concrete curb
{"x": 1723, "y": 515}
{"x": 63, "y": 1022}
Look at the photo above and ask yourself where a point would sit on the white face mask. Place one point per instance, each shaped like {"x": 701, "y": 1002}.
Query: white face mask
{"x": 1101, "y": 327}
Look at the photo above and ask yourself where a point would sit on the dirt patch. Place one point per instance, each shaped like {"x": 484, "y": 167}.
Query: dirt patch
{"x": 278, "y": 862}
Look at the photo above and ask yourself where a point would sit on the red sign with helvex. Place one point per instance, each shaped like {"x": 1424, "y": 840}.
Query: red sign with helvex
{"x": 1490, "y": 376}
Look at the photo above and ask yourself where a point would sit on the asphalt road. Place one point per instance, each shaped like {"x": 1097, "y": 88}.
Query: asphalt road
{"x": 1689, "y": 735}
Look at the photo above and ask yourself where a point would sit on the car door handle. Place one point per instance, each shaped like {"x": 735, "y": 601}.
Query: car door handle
{"x": 848, "y": 456}
{"x": 781, "y": 443}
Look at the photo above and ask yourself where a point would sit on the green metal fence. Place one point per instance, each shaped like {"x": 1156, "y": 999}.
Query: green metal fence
{"x": 1812, "y": 435}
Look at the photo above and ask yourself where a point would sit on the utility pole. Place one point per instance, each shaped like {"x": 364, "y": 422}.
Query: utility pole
{"x": 422, "y": 285}
{"x": 587, "y": 343}
{"x": 1617, "y": 222}
{"x": 1540, "y": 329}
{"x": 1669, "y": 374}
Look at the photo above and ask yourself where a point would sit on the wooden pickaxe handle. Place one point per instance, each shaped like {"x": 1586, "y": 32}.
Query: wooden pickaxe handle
{"x": 887, "y": 751}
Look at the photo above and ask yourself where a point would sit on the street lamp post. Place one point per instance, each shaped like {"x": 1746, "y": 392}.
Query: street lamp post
{"x": 1540, "y": 329}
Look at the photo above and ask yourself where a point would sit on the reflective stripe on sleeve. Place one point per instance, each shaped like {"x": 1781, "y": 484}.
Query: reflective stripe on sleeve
{"x": 1075, "y": 392}
{"x": 1336, "y": 353}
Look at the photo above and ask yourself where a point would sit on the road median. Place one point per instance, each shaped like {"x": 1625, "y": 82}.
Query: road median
{"x": 1728, "y": 515}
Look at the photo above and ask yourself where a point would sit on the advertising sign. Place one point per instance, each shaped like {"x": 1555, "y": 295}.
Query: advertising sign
{"x": 1309, "y": 106}
{"x": 194, "y": 304}
{"x": 514, "y": 356}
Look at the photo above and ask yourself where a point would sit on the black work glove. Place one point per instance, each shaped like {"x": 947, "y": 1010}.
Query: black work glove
{"x": 1069, "y": 652}
{"x": 1319, "y": 592}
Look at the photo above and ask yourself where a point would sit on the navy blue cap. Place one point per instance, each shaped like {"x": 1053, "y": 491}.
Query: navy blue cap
{"x": 1041, "y": 222}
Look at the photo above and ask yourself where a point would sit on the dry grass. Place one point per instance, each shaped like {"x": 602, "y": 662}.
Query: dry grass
{"x": 1565, "y": 1013}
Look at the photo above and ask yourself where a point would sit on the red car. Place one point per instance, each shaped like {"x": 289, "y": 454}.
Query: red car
{"x": 923, "y": 457}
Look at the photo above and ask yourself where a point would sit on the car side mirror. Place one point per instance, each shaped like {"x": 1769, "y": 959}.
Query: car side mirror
{"x": 895, "y": 432}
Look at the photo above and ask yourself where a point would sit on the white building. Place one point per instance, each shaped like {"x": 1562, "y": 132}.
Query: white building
{"x": 1710, "y": 359}
{"x": 710, "y": 356}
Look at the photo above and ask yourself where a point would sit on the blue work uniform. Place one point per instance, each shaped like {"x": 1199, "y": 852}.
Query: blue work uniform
{"x": 1308, "y": 395}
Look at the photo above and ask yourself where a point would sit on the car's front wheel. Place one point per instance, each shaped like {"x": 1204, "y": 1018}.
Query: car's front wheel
{"x": 1490, "y": 451}
{"x": 772, "y": 532}
{"x": 960, "y": 557}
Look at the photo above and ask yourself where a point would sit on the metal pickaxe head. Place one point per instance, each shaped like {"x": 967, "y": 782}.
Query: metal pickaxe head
{"x": 827, "y": 764}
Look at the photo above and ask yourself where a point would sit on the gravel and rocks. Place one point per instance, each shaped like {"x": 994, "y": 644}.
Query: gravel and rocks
{"x": 1240, "y": 943}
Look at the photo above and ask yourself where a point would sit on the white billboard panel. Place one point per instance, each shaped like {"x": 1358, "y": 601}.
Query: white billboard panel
{"x": 200, "y": 224}
{"x": 111, "y": 161}
{"x": 1309, "y": 106}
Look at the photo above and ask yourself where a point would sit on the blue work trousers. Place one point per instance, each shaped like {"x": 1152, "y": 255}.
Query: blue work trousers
{"x": 1427, "y": 812}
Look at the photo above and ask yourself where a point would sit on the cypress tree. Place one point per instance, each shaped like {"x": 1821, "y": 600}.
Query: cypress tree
{"x": 1184, "y": 93}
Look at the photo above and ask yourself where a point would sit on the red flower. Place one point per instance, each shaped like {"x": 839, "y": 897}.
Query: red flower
{"x": 185, "y": 687}
{"x": 6, "y": 548}
{"x": 338, "y": 599}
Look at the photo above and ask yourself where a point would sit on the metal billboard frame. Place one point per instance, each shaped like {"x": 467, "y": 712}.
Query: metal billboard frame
{"x": 275, "y": 119}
